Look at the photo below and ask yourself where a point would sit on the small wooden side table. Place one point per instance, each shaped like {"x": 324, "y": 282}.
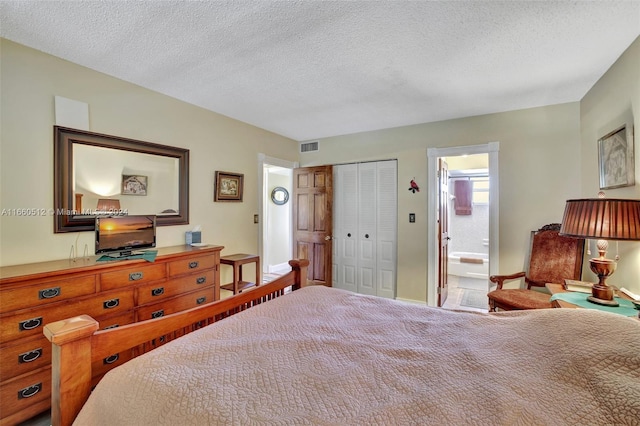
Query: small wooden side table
{"x": 237, "y": 260}
{"x": 559, "y": 288}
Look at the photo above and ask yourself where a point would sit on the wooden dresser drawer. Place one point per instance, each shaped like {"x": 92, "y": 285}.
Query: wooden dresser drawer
{"x": 44, "y": 292}
{"x": 116, "y": 321}
{"x": 192, "y": 264}
{"x": 28, "y": 323}
{"x": 160, "y": 291}
{"x": 132, "y": 276}
{"x": 99, "y": 368}
{"x": 177, "y": 304}
{"x": 25, "y": 356}
{"x": 22, "y": 392}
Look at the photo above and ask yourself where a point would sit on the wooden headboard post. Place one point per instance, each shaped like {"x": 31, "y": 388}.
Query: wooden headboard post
{"x": 71, "y": 362}
{"x": 299, "y": 266}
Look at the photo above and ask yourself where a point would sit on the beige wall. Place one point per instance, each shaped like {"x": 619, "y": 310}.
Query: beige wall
{"x": 538, "y": 168}
{"x": 29, "y": 82}
{"x": 614, "y": 100}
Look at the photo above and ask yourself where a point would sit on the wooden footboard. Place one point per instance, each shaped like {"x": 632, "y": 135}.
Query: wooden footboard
{"x": 76, "y": 342}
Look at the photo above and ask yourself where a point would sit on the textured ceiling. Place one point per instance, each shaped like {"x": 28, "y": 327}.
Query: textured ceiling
{"x": 313, "y": 69}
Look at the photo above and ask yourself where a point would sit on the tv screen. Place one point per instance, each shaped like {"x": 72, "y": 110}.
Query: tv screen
{"x": 122, "y": 235}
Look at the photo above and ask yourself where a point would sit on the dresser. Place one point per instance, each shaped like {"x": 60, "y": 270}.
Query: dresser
{"x": 114, "y": 293}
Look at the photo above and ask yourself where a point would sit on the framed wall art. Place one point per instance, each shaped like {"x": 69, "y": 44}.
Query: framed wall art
{"x": 228, "y": 186}
{"x": 616, "y": 158}
{"x": 134, "y": 185}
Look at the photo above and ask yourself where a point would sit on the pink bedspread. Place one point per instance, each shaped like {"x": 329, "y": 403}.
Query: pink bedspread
{"x": 322, "y": 356}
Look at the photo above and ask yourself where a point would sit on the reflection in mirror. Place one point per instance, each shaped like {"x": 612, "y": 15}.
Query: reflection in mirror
{"x": 98, "y": 174}
{"x": 92, "y": 169}
{"x": 279, "y": 195}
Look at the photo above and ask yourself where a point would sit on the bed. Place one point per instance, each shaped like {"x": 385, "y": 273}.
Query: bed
{"x": 326, "y": 356}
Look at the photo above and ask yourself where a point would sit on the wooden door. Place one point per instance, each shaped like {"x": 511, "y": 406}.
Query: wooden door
{"x": 443, "y": 231}
{"x": 312, "y": 220}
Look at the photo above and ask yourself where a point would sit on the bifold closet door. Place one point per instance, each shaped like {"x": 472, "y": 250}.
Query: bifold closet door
{"x": 365, "y": 222}
{"x": 345, "y": 223}
{"x": 387, "y": 227}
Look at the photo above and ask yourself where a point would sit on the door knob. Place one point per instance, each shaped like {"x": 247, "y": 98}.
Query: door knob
{"x": 328, "y": 237}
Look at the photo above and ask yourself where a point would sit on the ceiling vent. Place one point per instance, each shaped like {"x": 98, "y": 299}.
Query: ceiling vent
{"x": 309, "y": 146}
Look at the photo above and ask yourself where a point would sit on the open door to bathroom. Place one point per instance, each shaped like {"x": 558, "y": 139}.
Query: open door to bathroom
{"x": 443, "y": 231}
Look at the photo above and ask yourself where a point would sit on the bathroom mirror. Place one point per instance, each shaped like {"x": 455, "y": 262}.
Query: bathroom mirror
{"x": 279, "y": 195}
{"x": 90, "y": 166}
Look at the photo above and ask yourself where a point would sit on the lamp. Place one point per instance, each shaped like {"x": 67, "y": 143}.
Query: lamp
{"x": 602, "y": 219}
{"x": 108, "y": 205}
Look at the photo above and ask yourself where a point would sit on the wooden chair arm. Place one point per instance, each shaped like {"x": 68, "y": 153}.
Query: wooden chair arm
{"x": 500, "y": 279}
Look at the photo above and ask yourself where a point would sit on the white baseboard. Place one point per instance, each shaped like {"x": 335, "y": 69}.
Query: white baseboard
{"x": 281, "y": 268}
{"x": 416, "y": 302}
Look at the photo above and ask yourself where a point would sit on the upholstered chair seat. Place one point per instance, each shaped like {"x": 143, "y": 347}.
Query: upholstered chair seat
{"x": 520, "y": 298}
{"x": 552, "y": 259}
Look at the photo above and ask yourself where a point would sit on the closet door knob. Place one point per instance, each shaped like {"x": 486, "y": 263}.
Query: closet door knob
{"x": 366, "y": 235}
{"x": 328, "y": 238}
{"x": 349, "y": 235}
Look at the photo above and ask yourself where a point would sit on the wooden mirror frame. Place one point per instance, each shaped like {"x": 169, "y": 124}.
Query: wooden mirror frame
{"x": 65, "y": 219}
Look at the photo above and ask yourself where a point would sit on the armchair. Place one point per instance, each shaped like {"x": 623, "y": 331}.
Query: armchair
{"x": 551, "y": 259}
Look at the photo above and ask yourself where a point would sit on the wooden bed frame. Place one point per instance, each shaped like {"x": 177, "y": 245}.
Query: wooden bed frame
{"x": 77, "y": 342}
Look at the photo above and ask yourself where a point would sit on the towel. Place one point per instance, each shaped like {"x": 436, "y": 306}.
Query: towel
{"x": 463, "y": 190}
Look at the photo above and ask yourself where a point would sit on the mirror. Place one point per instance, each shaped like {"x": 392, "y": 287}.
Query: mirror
{"x": 92, "y": 169}
{"x": 279, "y": 195}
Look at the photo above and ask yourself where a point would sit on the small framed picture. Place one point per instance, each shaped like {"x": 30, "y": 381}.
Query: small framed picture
{"x": 228, "y": 186}
{"x": 134, "y": 185}
{"x": 616, "y": 158}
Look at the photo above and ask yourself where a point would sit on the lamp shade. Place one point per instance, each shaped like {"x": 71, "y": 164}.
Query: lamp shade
{"x": 602, "y": 218}
{"x": 108, "y": 205}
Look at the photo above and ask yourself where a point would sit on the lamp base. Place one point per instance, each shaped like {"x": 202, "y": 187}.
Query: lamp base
{"x": 603, "y": 302}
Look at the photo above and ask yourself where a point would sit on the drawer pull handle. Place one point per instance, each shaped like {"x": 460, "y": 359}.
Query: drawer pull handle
{"x": 110, "y": 359}
{"x": 193, "y": 264}
{"x": 111, "y": 303}
{"x": 49, "y": 293}
{"x": 111, "y": 326}
{"x": 157, "y": 291}
{"x": 201, "y": 280}
{"x": 29, "y": 356}
{"x": 29, "y": 391}
{"x": 30, "y": 324}
{"x": 135, "y": 276}
{"x": 201, "y": 300}
{"x": 157, "y": 314}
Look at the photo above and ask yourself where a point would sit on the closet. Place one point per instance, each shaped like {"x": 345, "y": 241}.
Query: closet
{"x": 365, "y": 227}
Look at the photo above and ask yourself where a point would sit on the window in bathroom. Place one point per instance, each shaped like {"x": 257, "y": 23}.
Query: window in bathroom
{"x": 480, "y": 190}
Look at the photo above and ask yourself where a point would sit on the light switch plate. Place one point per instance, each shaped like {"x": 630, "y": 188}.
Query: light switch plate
{"x": 255, "y": 218}
{"x": 412, "y": 217}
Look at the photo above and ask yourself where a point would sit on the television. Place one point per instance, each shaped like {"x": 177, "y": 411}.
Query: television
{"x": 121, "y": 236}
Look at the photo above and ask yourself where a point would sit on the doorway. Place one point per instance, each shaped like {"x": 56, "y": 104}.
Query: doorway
{"x": 468, "y": 232}
{"x": 274, "y": 221}
{"x": 454, "y": 154}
